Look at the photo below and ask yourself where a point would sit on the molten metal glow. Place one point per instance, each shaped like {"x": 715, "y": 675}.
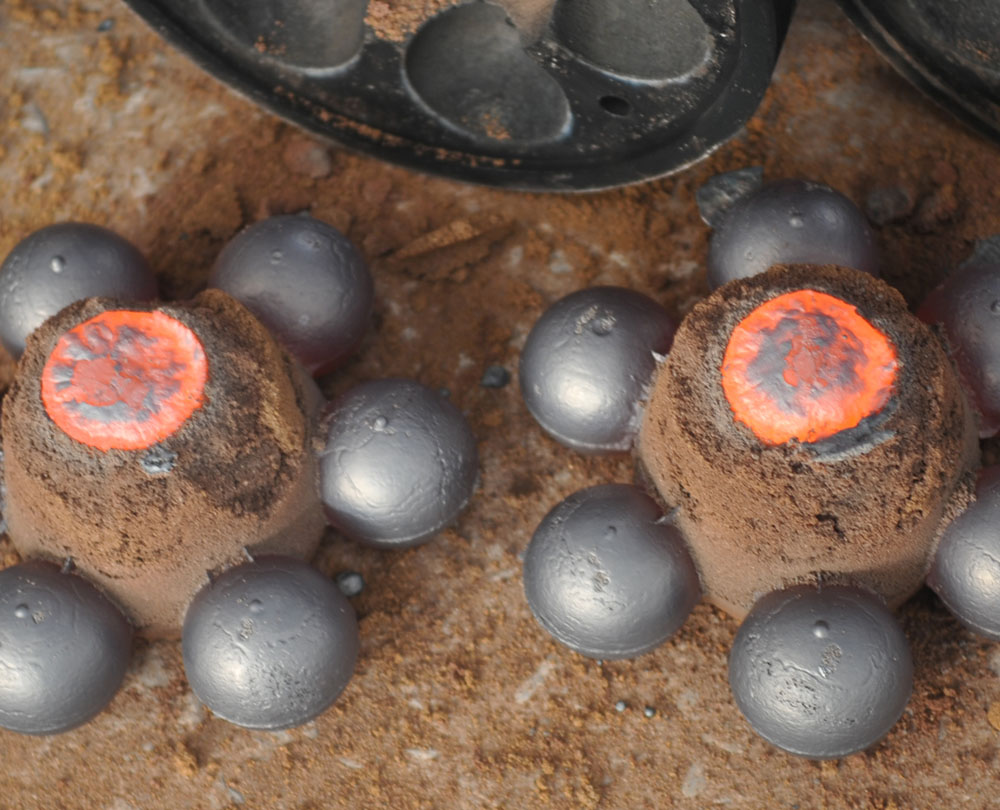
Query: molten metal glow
{"x": 806, "y": 365}
{"x": 124, "y": 380}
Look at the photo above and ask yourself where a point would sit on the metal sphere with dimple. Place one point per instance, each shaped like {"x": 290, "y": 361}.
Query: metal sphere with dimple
{"x": 606, "y": 576}
{"x": 790, "y": 222}
{"x": 588, "y": 362}
{"x": 821, "y": 672}
{"x": 967, "y": 307}
{"x": 966, "y": 568}
{"x": 400, "y": 463}
{"x": 305, "y": 281}
{"x": 63, "y": 263}
{"x": 64, "y": 649}
{"x": 270, "y": 644}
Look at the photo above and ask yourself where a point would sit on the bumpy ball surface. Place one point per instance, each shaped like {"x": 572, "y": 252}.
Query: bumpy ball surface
{"x": 400, "y": 463}
{"x": 821, "y": 673}
{"x": 64, "y": 649}
{"x": 967, "y": 306}
{"x": 305, "y": 281}
{"x": 790, "y": 222}
{"x": 270, "y": 644}
{"x": 605, "y": 578}
{"x": 588, "y": 363}
{"x": 966, "y": 569}
{"x": 63, "y": 263}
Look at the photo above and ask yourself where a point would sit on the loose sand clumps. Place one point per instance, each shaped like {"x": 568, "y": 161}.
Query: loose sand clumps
{"x": 862, "y": 507}
{"x": 148, "y": 525}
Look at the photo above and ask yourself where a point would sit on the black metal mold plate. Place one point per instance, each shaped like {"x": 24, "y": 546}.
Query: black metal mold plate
{"x": 370, "y": 106}
{"x": 949, "y": 49}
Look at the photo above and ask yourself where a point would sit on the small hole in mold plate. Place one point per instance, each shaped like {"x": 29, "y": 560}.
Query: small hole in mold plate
{"x": 615, "y": 105}
{"x": 469, "y": 67}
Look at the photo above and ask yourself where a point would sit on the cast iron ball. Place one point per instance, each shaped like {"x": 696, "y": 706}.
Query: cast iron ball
{"x": 790, "y": 222}
{"x": 587, "y": 365}
{"x": 821, "y": 673}
{"x": 967, "y": 307}
{"x": 606, "y": 576}
{"x": 305, "y": 281}
{"x": 64, "y": 649}
{"x": 59, "y": 264}
{"x": 270, "y": 644}
{"x": 966, "y": 569}
{"x": 400, "y": 463}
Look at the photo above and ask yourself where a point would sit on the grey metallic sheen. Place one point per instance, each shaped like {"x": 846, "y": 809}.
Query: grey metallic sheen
{"x": 588, "y": 363}
{"x": 270, "y": 644}
{"x": 821, "y": 673}
{"x": 62, "y": 263}
{"x": 966, "y": 568}
{"x": 606, "y": 576}
{"x": 64, "y": 649}
{"x": 305, "y": 281}
{"x": 400, "y": 463}
{"x": 790, "y": 222}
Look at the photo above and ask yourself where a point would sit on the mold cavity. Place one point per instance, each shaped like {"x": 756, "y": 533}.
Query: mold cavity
{"x": 468, "y": 65}
{"x": 615, "y": 105}
{"x": 306, "y": 34}
{"x": 655, "y": 40}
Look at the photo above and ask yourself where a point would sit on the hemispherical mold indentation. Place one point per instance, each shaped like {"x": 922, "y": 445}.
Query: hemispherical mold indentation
{"x": 661, "y": 41}
{"x": 311, "y": 35}
{"x": 468, "y": 65}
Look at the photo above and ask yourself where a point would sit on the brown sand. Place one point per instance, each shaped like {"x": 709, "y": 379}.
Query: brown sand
{"x": 861, "y": 508}
{"x": 244, "y": 474}
{"x": 460, "y": 700}
{"x": 397, "y": 20}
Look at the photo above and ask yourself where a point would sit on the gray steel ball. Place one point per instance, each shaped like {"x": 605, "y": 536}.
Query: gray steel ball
{"x": 790, "y": 222}
{"x": 270, "y": 644}
{"x": 64, "y": 649}
{"x": 57, "y": 265}
{"x": 400, "y": 463}
{"x": 606, "y": 576}
{"x": 821, "y": 673}
{"x": 967, "y": 307}
{"x": 966, "y": 568}
{"x": 305, "y": 281}
{"x": 588, "y": 363}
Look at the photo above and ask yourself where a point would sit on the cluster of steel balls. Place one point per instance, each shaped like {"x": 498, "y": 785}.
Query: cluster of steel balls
{"x": 820, "y": 667}
{"x": 268, "y": 641}
{"x": 808, "y": 375}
